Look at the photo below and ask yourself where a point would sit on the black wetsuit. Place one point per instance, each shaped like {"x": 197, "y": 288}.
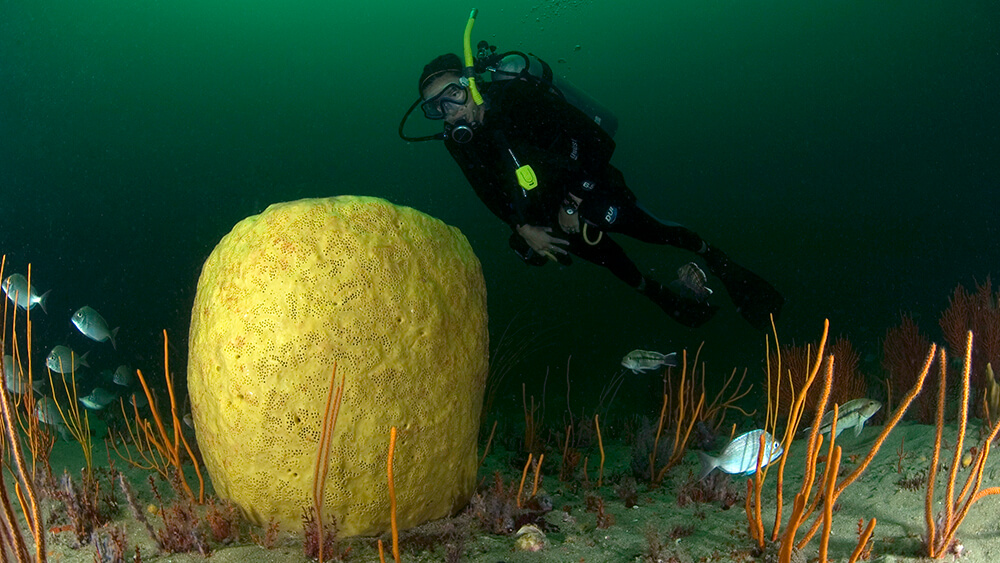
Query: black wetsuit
{"x": 570, "y": 154}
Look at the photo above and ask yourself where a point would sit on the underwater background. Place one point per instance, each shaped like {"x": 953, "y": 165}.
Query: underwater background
{"x": 847, "y": 151}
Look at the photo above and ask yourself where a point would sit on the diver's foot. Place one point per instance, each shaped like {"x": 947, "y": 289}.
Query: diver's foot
{"x": 689, "y": 312}
{"x": 755, "y": 299}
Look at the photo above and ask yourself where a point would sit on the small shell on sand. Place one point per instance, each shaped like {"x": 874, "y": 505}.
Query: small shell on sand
{"x": 530, "y": 538}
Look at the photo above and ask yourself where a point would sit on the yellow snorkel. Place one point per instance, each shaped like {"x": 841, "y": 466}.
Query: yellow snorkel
{"x": 525, "y": 175}
{"x": 470, "y": 62}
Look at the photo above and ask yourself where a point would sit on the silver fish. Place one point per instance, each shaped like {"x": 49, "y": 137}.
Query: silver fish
{"x": 93, "y": 325}
{"x": 17, "y": 290}
{"x": 852, "y": 414}
{"x": 98, "y": 399}
{"x": 13, "y": 376}
{"x": 123, "y": 376}
{"x": 9, "y": 369}
{"x": 740, "y": 456}
{"x": 17, "y": 380}
{"x": 640, "y": 361}
{"x": 691, "y": 282}
{"x": 47, "y": 411}
{"x": 138, "y": 400}
{"x": 62, "y": 359}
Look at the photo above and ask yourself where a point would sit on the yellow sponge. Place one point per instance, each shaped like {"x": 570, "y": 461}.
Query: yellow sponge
{"x": 394, "y": 297}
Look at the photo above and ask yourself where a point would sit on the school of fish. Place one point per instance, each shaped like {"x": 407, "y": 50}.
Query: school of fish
{"x": 69, "y": 368}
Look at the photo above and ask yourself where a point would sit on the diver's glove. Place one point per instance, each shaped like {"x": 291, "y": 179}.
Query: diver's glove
{"x": 688, "y": 312}
{"x": 755, "y": 298}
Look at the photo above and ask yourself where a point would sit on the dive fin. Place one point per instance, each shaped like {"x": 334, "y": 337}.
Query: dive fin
{"x": 754, "y": 297}
{"x": 688, "y": 312}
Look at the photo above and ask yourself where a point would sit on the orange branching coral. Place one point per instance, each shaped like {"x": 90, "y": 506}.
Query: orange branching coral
{"x": 681, "y": 413}
{"x": 902, "y": 350}
{"x": 986, "y": 327}
{"x": 939, "y": 539}
{"x": 818, "y": 493}
{"x": 955, "y": 319}
{"x": 12, "y": 456}
{"x": 848, "y": 384}
{"x": 794, "y": 362}
{"x": 977, "y": 312}
{"x": 168, "y": 447}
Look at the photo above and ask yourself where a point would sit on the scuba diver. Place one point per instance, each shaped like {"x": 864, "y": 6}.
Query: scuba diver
{"x": 541, "y": 163}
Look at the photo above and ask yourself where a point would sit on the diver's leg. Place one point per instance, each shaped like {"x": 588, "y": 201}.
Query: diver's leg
{"x": 755, "y": 298}
{"x": 615, "y": 210}
{"x": 612, "y": 207}
{"x": 609, "y": 254}
{"x": 641, "y": 225}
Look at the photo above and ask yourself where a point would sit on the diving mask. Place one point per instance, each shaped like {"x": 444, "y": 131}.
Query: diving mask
{"x": 452, "y": 96}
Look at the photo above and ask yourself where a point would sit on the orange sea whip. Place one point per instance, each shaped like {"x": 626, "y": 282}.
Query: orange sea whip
{"x": 524, "y": 475}
{"x": 333, "y": 397}
{"x": 31, "y": 510}
{"x": 538, "y": 471}
{"x": 600, "y": 444}
{"x": 163, "y": 445}
{"x": 392, "y": 496}
{"x": 971, "y": 491}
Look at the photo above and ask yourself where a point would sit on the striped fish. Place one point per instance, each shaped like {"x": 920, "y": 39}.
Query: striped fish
{"x": 640, "y": 361}
{"x": 852, "y": 414}
{"x": 740, "y": 456}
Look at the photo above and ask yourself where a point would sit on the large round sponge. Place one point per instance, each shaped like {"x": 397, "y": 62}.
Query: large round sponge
{"x": 392, "y": 296}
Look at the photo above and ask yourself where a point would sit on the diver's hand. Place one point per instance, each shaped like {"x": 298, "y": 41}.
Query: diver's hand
{"x": 539, "y": 239}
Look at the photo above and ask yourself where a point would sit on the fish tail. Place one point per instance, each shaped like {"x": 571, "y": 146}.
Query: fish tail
{"x": 41, "y": 301}
{"x": 112, "y": 337}
{"x": 708, "y": 463}
{"x": 670, "y": 359}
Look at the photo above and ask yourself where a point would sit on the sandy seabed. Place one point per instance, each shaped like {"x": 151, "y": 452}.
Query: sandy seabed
{"x": 714, "y": 533}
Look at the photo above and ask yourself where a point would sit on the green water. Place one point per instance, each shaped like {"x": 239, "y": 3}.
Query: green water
{"x": 845, "y": 150}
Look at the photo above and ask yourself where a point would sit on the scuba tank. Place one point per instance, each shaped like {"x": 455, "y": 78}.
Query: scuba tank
{"x": 509, "y": 66}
